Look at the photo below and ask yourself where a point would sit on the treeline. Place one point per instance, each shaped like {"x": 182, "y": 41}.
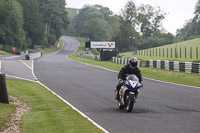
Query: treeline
{"x": 137, "y": 27}
{"x": 25, "y": 23}
{"x": 93, "y": 22}
{"x": 191, "y": 29}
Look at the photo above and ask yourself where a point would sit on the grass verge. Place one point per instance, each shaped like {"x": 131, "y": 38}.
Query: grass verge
{"x": 5, "y": 114}
{"x": 185, "y": 50}
{"x": 52, "y": 49}
{"x": 48, "y": 114}
{"x": 4, "y": 53}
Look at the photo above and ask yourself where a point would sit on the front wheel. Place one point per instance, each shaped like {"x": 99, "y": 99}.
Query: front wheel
{"x": 120, "y": 105}
{"x": 130, "y": 103}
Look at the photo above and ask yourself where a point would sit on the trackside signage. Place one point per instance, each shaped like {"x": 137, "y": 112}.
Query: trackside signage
{"x": 102, "y": 45}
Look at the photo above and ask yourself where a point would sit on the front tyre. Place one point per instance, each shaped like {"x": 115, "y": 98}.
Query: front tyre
{"x": 130, "y": 103}
{"x": 120, "y": 105}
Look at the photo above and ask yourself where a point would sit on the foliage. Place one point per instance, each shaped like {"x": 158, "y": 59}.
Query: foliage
{"x": 95, "y": 22}
{"x": 33, "y": 23}
{"x": 24, "y": 24}
{"x": 11, "y": 25}
{"x": 96, "y": 29}
{"x": 191, "y": 28}
{"x": 72, "y": 12}
{"x": 140, "y": 27}
{"x": 55, "y": 17}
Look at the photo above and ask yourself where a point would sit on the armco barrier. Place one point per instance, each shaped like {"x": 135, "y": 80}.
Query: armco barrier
{"x": 187, "y": 67}
{"x": 89, "y": 56}
{"x": 33, "y": 55}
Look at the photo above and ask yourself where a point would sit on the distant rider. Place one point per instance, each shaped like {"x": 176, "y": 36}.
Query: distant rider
{"x": 130, "y": 68}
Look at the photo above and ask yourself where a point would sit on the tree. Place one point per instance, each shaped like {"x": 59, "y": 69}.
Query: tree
{"x": 196, "y": 19}
{"x": 99, "y": 17}
{"x": 197, "y": 11}
{"x": 191, "y": 28}
{"x": 55, "y": 17}
{"x": 33, "y": 23}
{"x": 96, "y": 29}
{"x": 149, "y": 19}
{"x": 11, "y": 25}
{"x": 130, "y": 14}
{"x": 140, "y": 27}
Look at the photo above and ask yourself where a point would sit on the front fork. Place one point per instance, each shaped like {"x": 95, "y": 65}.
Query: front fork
{"x": 131, "y": 93}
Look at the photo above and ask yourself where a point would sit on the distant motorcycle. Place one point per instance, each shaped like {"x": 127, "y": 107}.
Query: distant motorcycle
{"x": 129, "y": 92}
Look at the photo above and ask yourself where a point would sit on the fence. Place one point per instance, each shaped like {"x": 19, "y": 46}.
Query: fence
{"x": 175, "y": 52}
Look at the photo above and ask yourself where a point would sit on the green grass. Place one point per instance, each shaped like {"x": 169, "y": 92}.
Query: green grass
{"x": 51, "y": 49}
{"x": 4, "y": 53}
{"x": 5, "y": 114}
{"x": 48, "y": 114}
{"x": 181, "y": 52}
{"x": 159, "y": 74}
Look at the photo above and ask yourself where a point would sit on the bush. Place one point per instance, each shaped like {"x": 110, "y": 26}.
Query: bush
{"x": 1, "y": 46}
{"x": 94, "y": 51}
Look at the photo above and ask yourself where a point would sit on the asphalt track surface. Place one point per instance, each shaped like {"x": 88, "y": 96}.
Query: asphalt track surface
{"x": 160, "y": 108}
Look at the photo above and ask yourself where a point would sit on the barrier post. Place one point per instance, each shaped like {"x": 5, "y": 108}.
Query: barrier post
{"x": 3, "y": 90}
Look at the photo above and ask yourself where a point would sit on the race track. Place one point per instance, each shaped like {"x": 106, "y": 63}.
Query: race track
{"x": 160, "y": 108}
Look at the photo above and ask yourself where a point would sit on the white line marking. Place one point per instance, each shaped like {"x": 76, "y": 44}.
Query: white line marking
{"x": 26, "y": 64}
{"x": 74, "y": 108}
{"x": 20, "y": 78}
{"x": 11, "y": 57}
{"x": 33, "y": 71}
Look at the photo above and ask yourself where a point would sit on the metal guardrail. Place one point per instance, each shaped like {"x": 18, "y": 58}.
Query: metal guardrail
{"x": 33, "y": 56}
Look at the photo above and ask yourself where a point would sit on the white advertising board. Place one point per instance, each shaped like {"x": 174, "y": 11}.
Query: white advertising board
{"x": 102, "y": 44}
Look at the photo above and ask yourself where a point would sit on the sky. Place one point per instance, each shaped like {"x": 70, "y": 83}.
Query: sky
{"x": 178, "y": 11}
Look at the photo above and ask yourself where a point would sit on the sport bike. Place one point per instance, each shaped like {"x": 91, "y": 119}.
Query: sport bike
{"x": 129, "y": 92}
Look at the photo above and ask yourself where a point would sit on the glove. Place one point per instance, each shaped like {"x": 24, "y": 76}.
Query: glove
{"x": 121, "y": 81}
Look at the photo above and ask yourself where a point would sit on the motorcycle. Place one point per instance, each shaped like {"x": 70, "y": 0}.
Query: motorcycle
{"x": 129, "y": 92}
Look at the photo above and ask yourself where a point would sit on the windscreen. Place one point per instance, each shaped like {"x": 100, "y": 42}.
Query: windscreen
{"x": 132, "y": 77}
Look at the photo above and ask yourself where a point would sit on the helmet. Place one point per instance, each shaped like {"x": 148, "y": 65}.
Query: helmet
{"x": 133, "y": 61}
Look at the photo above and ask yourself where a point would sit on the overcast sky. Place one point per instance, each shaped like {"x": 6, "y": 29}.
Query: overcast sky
{"x": 178, "y": 11}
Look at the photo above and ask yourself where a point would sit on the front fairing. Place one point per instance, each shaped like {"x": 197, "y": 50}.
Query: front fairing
{"x": 132, "y": 85}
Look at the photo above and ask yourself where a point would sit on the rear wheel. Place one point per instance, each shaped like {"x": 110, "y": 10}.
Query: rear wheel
{"x": 130, "y": 103}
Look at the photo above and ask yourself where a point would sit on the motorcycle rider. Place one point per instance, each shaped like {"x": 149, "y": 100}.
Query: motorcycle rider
{"x": 130, "y": 68}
